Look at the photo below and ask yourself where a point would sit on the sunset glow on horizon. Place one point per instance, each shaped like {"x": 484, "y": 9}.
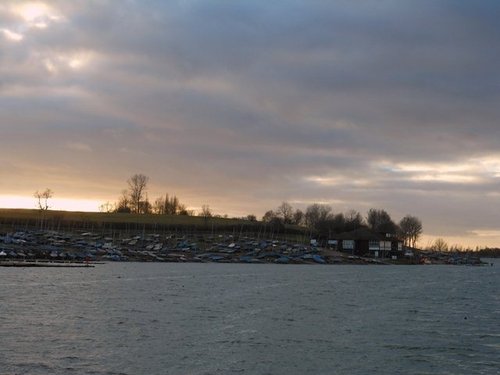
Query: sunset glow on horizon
{"x": 57, "y": 204}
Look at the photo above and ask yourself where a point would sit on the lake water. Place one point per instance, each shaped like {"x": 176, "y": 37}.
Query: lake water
{"x": 137, "y": 318}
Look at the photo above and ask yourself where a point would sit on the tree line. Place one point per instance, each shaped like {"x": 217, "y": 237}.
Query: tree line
{"x": 325, "y": 223}
{"x": 134, "y": 199}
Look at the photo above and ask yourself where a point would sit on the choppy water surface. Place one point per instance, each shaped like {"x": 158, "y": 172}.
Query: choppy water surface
{"x": 133, "y": 318}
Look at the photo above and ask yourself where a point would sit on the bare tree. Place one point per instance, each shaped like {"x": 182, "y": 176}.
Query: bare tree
{"x": 251, "y": 217}
{"x": 410, "y": 228}
{"x": 206, "y": 212}
{"x": 106, "y": 207}
{"x": 137, "y": 185}
{"x": 285, "y": 212}
{"x": 353, "y": 220}
{"x": 159, "y": 206}
{"x": 144, "y": 206}
{"x": 317, "y": 214}
{"x": 183, "y": 211}
{"x": 43, "y": 199}
{"x": 440, "y": 245}
{"x": 269, "y": 216}
{"x": 172, "y": 205}
{"x": 123, "y": 205}
{"x": 298, "y": 217}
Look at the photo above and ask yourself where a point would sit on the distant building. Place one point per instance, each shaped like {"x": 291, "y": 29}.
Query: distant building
{"x": 364, "y": 242}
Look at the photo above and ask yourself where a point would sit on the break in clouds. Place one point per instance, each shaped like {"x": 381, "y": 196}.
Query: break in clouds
{"x": 384, "y": 104}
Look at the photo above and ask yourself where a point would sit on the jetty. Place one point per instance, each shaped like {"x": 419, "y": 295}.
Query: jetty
{"x": 37, "y": 263}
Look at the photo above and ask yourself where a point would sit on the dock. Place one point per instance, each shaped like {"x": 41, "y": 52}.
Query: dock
{"x": 44, "y": 264}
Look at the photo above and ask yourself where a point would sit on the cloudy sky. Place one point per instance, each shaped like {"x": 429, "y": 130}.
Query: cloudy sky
{"x": 244, "y": 104}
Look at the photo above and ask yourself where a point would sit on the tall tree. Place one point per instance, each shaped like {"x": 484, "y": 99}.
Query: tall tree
{"x": 285, "y": 212}
{"x": 172, "y": 205}
{"x": 298, "y": 217}
{"x": 353, "y": 220}
{"x": 316, "y": 215}
{"x": 410, "y": 228}
{"x": 137, "y": 185}
{"x": 380, "y": 221}
{"x": 269, "y": 216}
{"x": 338, "y": 223}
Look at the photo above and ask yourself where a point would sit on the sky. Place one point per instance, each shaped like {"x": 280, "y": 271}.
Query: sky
{"x": 242, "y": 105}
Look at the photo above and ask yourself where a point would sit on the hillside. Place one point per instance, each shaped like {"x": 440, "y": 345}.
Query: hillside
{"x": 11, "y": 219}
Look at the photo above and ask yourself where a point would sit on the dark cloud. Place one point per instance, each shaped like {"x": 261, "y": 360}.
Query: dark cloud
{"x": 243, "y": 105}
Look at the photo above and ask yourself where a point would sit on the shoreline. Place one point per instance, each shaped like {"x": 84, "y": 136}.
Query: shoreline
{"x": 39, "y": 248}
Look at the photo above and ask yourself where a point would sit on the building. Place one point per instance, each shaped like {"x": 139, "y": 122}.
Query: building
{"x": 364, "y": 242}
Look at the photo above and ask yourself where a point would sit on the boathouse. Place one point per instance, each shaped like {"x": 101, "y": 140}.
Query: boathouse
{"x": 364, "y": 242}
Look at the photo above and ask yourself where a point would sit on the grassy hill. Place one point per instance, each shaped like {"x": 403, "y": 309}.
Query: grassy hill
{"x": 24, "y": 219}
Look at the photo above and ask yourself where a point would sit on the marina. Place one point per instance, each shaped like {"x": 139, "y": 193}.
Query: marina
{"x": 41, "y": 248}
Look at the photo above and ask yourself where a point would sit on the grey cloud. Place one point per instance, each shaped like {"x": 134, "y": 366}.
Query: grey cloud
{"x": 226, "y": 101}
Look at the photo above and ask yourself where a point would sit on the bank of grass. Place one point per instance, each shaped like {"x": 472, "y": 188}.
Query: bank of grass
{"x": 23, "y": 219}
{"x": 9, "y": 215}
